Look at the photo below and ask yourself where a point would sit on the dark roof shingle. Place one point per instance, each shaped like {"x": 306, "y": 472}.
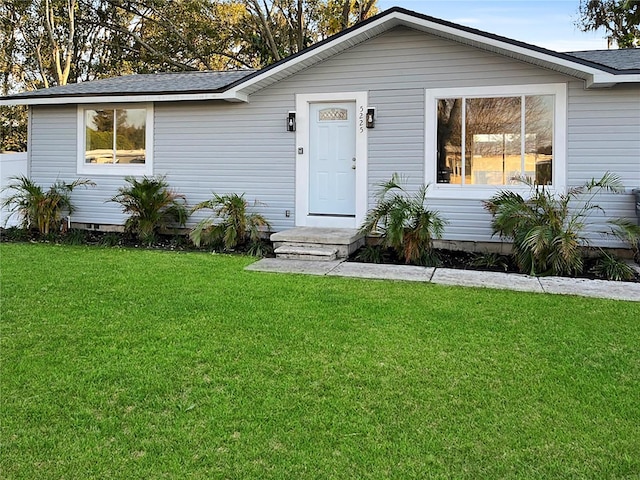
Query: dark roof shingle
{"x": 624, "y": 59}
{"x": 143, "y": 84}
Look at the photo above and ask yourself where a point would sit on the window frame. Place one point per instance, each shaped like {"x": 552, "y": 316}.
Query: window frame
{"x": 483, "y": 192}
{"x": 84, "y": 168}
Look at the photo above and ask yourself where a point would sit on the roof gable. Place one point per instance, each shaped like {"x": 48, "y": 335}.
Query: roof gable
{"x": 595, "y": 74}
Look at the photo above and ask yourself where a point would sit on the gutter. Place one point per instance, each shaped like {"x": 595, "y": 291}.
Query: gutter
{"x": 229, "y": 96}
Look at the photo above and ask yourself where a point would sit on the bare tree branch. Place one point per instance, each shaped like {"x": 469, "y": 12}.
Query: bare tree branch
{"x": 38, "y": 51}
{"x": 266, "y": 28}
{"x": 149, "y": 47}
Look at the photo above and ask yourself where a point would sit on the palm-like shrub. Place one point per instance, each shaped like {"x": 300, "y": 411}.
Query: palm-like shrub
{"x": 39, "y": 208}
{"x": 151, "y": 206}
{"x": 628, "y": 232}
{"x": 230, "y": 224}
{"x": 404, "y": 222}
{"x": 547, "y": 229}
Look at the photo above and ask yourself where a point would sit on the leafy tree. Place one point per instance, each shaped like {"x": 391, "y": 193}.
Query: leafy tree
{"x": 39, "y": 41}
{"x": 280, "y": 28}
{"x": 54, "y": 42}
{"x": 339, "y": 15}
{"x": 619, "y": 18}
{"x": 13, "y": 128}
{"x": 164, "y": 35}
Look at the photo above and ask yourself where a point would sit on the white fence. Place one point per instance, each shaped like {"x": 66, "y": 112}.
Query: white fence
{"x": 11, "y": 165}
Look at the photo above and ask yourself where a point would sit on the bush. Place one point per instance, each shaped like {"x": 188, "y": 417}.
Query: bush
{"x": 370, "y": 254}
{"x": 259, "y": 248}
{"x": 38, "y": 208}
{"x": 612, "y": 268}
{"x": 629, "y": 233}
{"x": 403, "y": 221}
{"x": 109, "y": 239}
{"x": 151, "y": 205}
{"x": 491, "y": 261}
{"x": 547, "y": 229}
{"x": 230, "y": 225}
{"x": 75, "y": 237}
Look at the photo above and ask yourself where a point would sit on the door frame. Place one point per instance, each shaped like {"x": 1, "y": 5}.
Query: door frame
{"x": 302, "y": 217}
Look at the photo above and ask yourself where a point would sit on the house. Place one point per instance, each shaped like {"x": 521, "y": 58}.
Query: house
{"x": 313, "y": 135}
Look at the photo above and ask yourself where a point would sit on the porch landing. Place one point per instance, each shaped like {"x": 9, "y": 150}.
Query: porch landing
{"x": 313, "y": 243}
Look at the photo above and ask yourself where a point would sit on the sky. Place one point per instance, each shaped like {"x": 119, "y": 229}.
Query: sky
{"x": 547, "y": 24}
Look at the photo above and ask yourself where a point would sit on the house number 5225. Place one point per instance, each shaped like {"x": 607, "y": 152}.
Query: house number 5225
{"x": 361, "y": 119}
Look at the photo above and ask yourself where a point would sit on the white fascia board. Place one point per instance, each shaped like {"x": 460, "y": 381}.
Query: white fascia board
{"x": 604, "y": 79}
{"x": 592, "y": 75}
{"x": 79, "y": 100}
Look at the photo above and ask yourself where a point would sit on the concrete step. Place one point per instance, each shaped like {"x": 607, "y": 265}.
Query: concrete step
{"x": 306, "y": 252}
{"x": 341, "y": 241}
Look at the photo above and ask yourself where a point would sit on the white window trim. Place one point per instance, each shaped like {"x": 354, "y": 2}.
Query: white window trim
{"x": 483, "y": 192}
{"x": 84, "y": 168}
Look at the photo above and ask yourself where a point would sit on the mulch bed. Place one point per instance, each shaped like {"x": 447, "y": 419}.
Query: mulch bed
{"x": 474, "y": 261}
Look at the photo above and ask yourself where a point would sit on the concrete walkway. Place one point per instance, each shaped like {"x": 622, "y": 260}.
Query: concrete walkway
{"x": 447, "y": 276}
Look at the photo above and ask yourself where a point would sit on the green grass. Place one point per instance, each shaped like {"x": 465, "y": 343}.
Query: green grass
{"x": 128, "y": 364}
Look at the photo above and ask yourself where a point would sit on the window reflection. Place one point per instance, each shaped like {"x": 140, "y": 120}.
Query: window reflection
{"x": 449, "y": 155}
{"x": 99, "y": 136}
{"x": 492, "y": 153}
{"x": 480, "y": 140}
{"x": 539, "y": 141}
{"x": 115, "y": 136}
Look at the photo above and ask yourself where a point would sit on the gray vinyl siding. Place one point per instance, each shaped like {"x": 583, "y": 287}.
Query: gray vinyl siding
{"x": 224, "y": 154}
{"x": 396, "y": 144}
{"x": 225, "y": 147}
{"x": 53, "y": 143}
{"x": 604, "y": 131}
{"x": 604, "y": 135}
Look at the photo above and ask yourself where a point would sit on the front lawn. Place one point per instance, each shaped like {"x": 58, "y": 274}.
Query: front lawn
{"x": 118, "y": 363}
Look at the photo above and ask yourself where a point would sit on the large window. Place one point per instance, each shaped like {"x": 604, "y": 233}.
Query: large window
{"x": 115, "y": 139}
{"x": 484, "y": 139}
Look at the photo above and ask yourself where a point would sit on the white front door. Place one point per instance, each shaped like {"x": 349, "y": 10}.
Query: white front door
{"x": 332, "y": 159}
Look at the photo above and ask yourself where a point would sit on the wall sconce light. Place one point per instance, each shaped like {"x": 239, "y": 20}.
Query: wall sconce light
{"x": 371, "y": 117}
{"x": 291, "y": 122}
